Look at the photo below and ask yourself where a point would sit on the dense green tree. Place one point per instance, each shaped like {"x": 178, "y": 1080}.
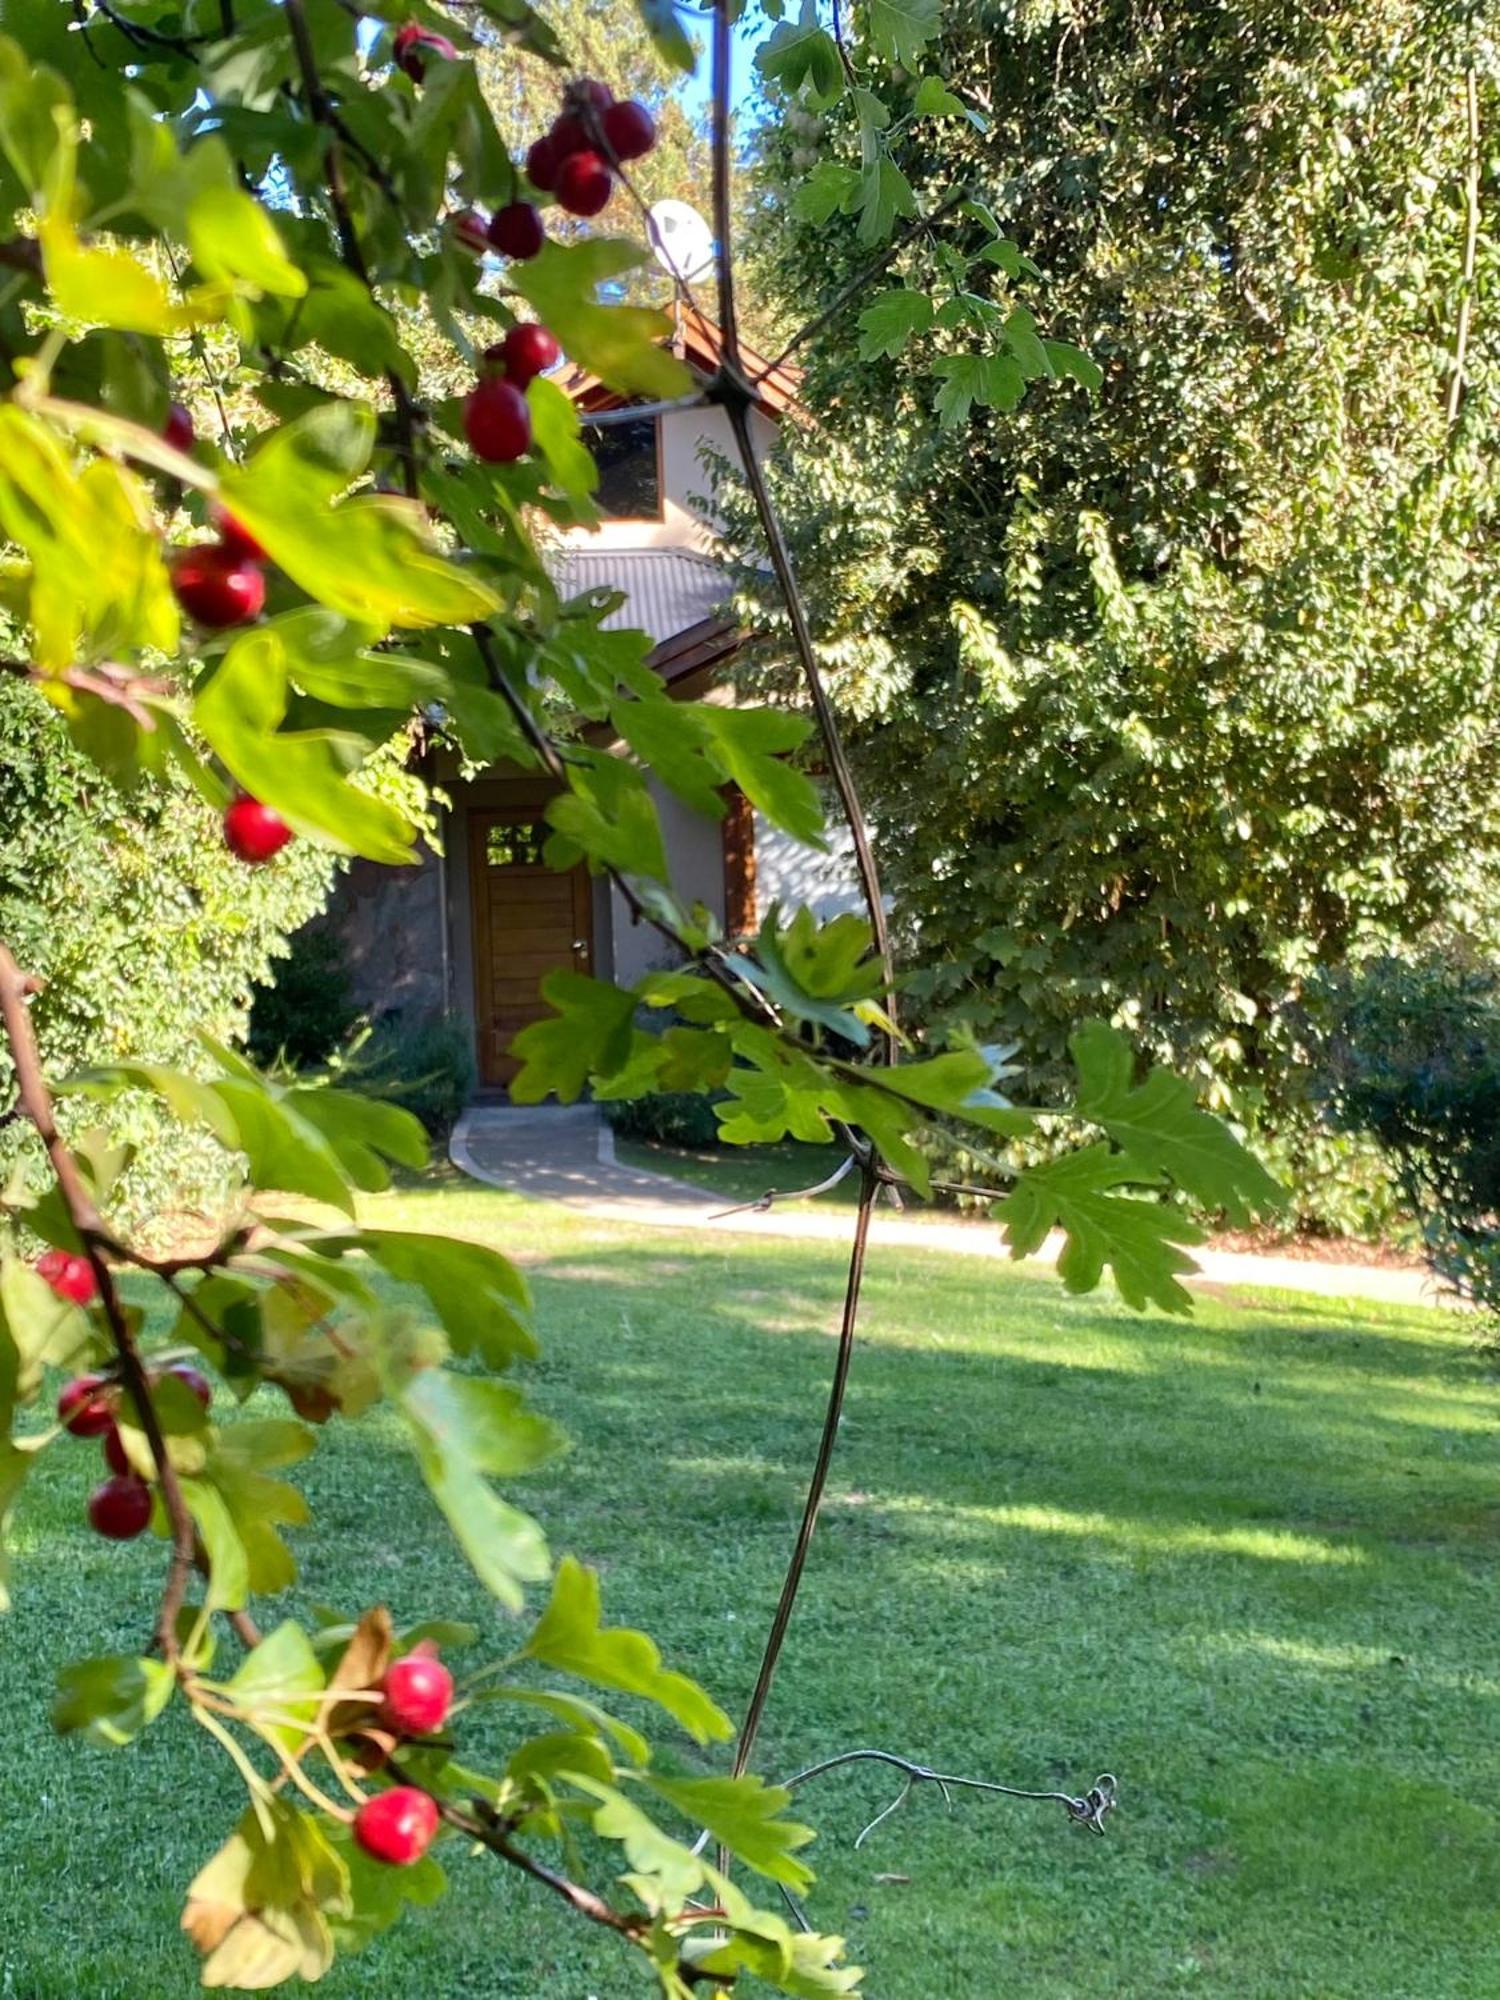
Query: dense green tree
{"x": 1166, "y": 696}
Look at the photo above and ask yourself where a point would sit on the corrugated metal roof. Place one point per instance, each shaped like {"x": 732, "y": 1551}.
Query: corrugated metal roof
{"x": 666, "y": 590}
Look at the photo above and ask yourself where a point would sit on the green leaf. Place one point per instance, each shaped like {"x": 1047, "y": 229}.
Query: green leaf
{"x": 665, "y": 1872}
{"x": 1137, "y": 1239}
{"x": 933, "y": 99}
{"x": 1029, "y": 349}
{"x": 378, "y": 1895}
{"x": 588, "y": 1034}
{"x": 890, "y": 320}
{"x": 622, "y": 345}
{"x": 37, "y": 119}
{"x": 370, "y": 556}
{"x": 751, "y": 745}
{"x": 569, "y": 1637}
{"x": 304, "y": 774}
{"x": 558, "y": 435}
{"x": 830, "y": 186}
{"x": 1160, "y": 1124}
{"x": 991, "y": 379}
{"x": 284, "y": 1151}
{"x": 609, "y": 816}
{"x": 260, "y": 1909}
{"x": 281, "y": 1682}
{"x": 112, "y": 1700}
{"x": 240, "y": 1459}
{"x": 802, "y": 55}
{"x": 363, "y": 1132}
{"x": 1069, "y": 360}
{"x": 482, "y": 1300}
{"x": 901, "y": 29}
{"x": 339, "y": 315}
{"x": 464, "y": 1429}
{"x": 743, "y": 1814}
{"x": 668, "y": 36}
{"x": 41, "y": 1331}
{"x": 885, "y": 193}
{"x": 578, "y": 1713}
{"x": 233, "y": 236}
{"x": 228, "y": 1559}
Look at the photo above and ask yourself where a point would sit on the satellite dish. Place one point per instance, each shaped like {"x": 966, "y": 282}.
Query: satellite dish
{"x": 681, "y": 241}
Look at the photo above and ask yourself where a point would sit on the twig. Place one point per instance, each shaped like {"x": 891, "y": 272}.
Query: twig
{"x": 36, "y": 1101}
{"x": 764, "y": 1202}
{"x": 814, "y": 1501}
{"x": 1090, "y": 1810}
{"x": 632, "y": 413}
{"x": 324, "y": 113}
{"x": 723, "y": 62}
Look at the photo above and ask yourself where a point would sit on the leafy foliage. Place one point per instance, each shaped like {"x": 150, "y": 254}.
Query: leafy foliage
{"x": 1165, "y": 697}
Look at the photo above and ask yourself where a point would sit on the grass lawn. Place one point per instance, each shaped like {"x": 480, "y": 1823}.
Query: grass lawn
{"x": 1246, "y": 1562}
{"x": 740, "y": 1173}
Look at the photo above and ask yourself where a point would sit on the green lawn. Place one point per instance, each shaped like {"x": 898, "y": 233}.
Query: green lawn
{"x": 1247, "y": 1563}
{"x": 741, "y": 1173}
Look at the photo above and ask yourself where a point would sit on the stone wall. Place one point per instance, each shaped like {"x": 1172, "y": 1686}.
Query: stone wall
{"x": 392, "y": 926}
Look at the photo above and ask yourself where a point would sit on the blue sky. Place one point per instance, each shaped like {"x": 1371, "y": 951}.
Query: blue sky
{"x": 750, "y": 31}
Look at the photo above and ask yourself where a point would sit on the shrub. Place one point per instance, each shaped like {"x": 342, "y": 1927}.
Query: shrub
{"x": 303, "y": 1013}
{"x": 1414, "y": 1061}
{"x": 424, "y": 1063}
{"x": 672, "y": 1117}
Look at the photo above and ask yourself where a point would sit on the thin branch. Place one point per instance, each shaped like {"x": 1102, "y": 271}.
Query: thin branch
{"x": 323, "y": 111}
{"x": 812, "y": 1506}
{"x": 723, "y": 63}
{"x": 1471, "y": 245}
{"x": 631, "y": 413}
{"x": 833, "y": 745}
{"x": 1090, "y": 1810}
{"x": 763, "y": 1202}
{"x": 35, "y": 1100}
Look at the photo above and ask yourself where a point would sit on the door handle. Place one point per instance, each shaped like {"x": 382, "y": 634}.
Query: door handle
{"x": 581, "y": 947}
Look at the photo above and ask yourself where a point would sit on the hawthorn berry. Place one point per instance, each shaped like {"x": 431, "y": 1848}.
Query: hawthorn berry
{"x": 418, "y": 1692}
{"x": 414, "y": 43}
{"x": 178, "y": 430}
{"x": 253, "y": 832}
{"x": 569, "y": 135}
{"x": 471, "y": 230}
{"x": 516, "y": 230}
{"x": 589, "y": 90}
{"x": 629, "y": 129}
{"x": 193, "y": 1379}
{"x": 497, "y": 422}
{"x": 70, "y": 1277}
{"x": 237, "y": 538}
{"x": 542, "y": 163}
{"x": 86, "y": 1407}
{"x": 583, "y": 183}
{"x": 121, "y": 1507}
{"x": 528, "y": 350}
{"x": 397, "y": 1826}
{"x": 216, "y": 587}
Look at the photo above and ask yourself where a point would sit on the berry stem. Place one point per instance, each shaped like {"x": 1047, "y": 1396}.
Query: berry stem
{"x": 35, "y": 1102}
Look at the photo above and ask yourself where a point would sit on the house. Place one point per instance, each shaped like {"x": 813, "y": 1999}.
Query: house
{"x": 475, "y": 929}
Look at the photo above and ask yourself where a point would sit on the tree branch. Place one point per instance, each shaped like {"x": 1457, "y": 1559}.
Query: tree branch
{"x": 36, "y": 1102}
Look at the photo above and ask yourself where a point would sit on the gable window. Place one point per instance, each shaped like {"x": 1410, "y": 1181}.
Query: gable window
{"x": 629, "y": 460}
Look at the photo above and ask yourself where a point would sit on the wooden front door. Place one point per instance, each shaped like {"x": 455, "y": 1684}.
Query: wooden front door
{"x": 528, "y": 921}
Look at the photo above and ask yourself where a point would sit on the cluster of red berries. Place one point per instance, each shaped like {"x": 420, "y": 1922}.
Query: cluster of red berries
{"x": 513, "y": 231}
{"x": 594, "y": 135}
{"x": 120, "y": 1507}
{"x": 497, "y": 417}
{"x": 397, "y": 1826}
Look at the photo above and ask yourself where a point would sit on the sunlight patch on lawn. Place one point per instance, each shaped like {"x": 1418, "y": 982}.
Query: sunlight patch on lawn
{"x": 1264, "y": 1544}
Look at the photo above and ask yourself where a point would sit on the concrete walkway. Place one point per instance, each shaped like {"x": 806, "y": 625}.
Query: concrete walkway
{"x": 566, "y": 1153}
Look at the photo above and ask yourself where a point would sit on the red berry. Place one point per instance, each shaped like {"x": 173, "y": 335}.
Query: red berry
{"x": 121, "y": 1507}
{"x": 569, "y": 135}
{"x": 178, "y": 430}
{"x": 86, "y": 1406}
{"x": 497, "y": 422}
{"x": 630, "y": 130}
{"x": 528, "y": 350}
{"x": 589, "y": 90}
{"x": 542, "y": 163}
{"x": 192, "y": 1378}
{"x": 253, "y": 832}
{"x": 217, "y": 587}
{"x": 472, "y": 231}
{"x": 70, "y": 1277}
{"x": 583, "y": 183}
{"x": 516, "y": 230}
{"x": 397, "y": 1826}
{"x": 237, "y": 538}
{"x": 418, "y": 1695}
{"x": 410, "y": 43}
{"x": 114, "y": 1454}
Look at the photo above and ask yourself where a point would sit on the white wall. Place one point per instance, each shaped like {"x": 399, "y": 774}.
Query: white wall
{"x": 788, "y": 873}
{"x": 683, "y": 434}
